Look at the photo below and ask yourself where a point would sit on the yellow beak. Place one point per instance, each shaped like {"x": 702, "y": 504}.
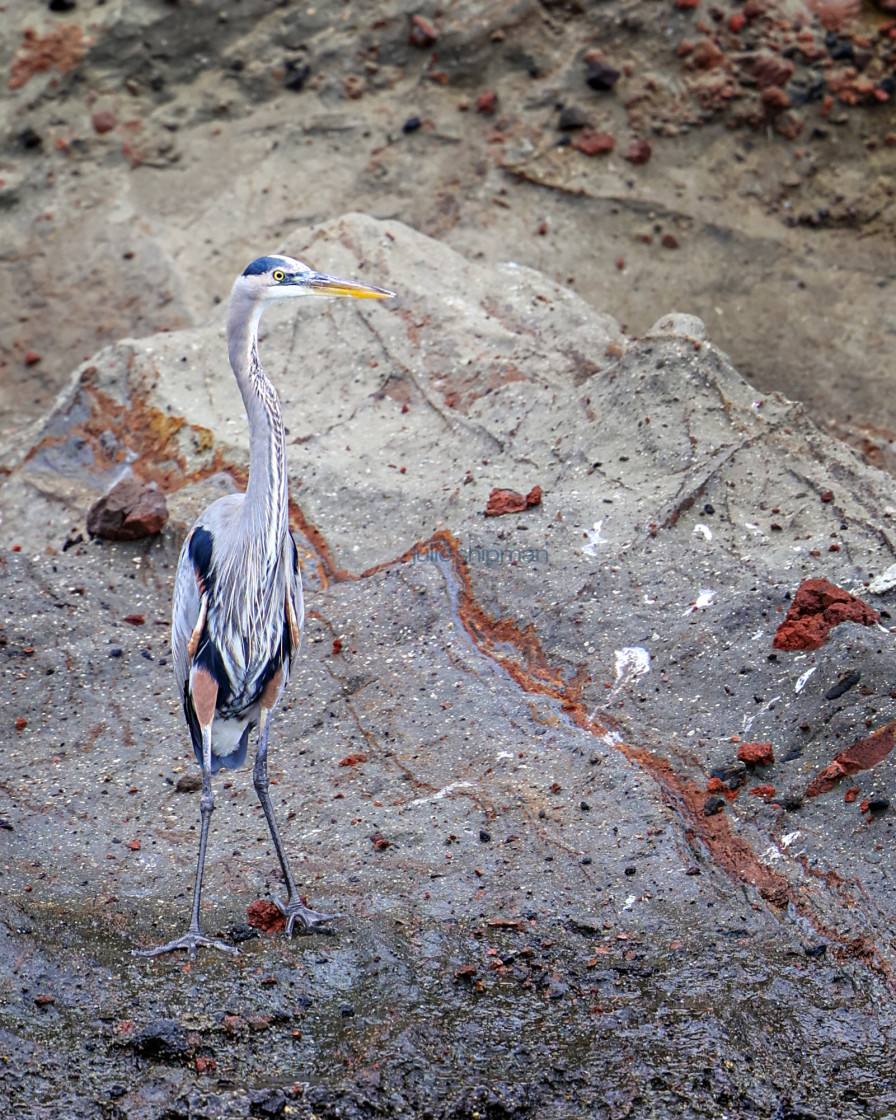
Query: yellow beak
{"x": 320, "y": 284}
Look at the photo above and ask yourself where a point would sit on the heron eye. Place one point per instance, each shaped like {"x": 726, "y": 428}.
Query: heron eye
{"x": 278, "y": 274}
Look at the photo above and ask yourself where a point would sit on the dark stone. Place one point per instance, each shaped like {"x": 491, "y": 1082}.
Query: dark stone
{"x": 347, "y": 1011}
{"x": 267, "y": 1102}
{"x": 188, "y": 783}
{"x": 297, "y": 74}
{"x": 165, "y": 1038}
{"x": 713, "y": 805}
{"x": 240, "y": 931}
{"x": 792, "y": 802}
{"x": 845, "y": 682}
{"x": 411, "y": 124}
{"x": 816, "y": 951}
{"x": 878, "y": 804}
{"x": 631, "y": 871}
{"x": 733, "y": 774}
{"x": 484, "y": 836}
{"x": 116, "y": 652}
{"x": 130, "y": 510}
{"x": 601, "y": 77}
{"x": 572, "y": 117}
{"x": 62, "y": 5}
{"x": 29, "y": 139}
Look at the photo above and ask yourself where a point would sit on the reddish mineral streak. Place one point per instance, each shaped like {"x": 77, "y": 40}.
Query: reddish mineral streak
{"x": 862, "y": 755}
{"x": 817, "y": 608}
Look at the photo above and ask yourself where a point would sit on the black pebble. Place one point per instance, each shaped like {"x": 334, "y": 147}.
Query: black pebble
{"x": 296, "y": 75}
{"x": 713, "y": 805}
{"x": 484, "y": 836}
{"x": 631, "y": 871}
{"x": 347, "y": 1011}
{"x": 411, "y": 124}
{"x": 115, "y": 652}
{"x": 844, "y": 684}
{"x": 600, "y": 76}
{"x": 879, "y": 804}
{"x": 792, "y": 802}
{"x": 572, "y": 117}
{"x": 62, "y": 5}
{"x": 708, "y": 509}
{"x": 165, "y": 1038}
{"x": 29, "y": 140}
{"x": 815, "y": 950}
{"x": 584, "y": 806}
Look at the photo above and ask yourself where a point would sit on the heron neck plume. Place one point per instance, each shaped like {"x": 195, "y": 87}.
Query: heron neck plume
{"x": 265, "y": 512}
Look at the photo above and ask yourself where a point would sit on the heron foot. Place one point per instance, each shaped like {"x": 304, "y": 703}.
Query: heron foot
{"x": 190, "y": 941}
{"x": 310, "y": 920}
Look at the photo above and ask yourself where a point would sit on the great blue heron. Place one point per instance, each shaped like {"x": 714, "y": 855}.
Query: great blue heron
{"x": 238, "y": 610}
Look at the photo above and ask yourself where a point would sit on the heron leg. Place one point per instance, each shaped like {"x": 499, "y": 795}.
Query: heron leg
{"x": 294, "y": 909}
{"x": 194, "y": 937}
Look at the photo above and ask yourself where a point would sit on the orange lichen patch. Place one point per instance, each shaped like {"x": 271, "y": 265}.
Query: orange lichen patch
{"x": 62, "y": 48}
{"x": 862, "y": 755}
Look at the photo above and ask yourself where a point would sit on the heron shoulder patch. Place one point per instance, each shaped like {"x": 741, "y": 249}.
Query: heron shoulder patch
{"x": 200, "y": 551}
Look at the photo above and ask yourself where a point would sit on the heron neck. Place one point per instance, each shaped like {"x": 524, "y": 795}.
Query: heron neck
{"x": 266, "y": 507}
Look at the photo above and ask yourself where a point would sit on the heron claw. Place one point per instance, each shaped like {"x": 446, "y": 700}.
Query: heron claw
{"x": 311, "y": 921}
{"x": 190, "y": 941}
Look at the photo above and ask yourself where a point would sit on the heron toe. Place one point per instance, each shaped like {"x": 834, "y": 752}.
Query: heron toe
{"x": 190, "y": 941}
{"x": 310, "y": 920}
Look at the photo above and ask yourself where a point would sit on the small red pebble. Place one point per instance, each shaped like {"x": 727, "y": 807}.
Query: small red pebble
{"x": 134, "y": 845}
{"x": 103, "y": 121}
{"x": 827, "y": 495}
{"x": 851, "y": 794}
{"x": 42, "y": 1001}
{"x": 352, "y": 759}
{"x": 486, "y": 103}
{"x": 669, "y": 241}
{"x": 32, "y": 358}
{"x": 766, "y": 792}
{"x": 685, "y": 4}
{"x": 756, "y": 754}
{"x": 715, "y": 785}
{"x": 337, "y": 645}
{"x": 594, "y": 143}
{"x": 620, "y": 263}
{"x": 863, "y": 806}
{"x": 21, "y": 723}
{"x": 639, "y": 151}
{"x": 542, "y": 229}
{"x": 421, "y": 33}
{"x": 205, "y": 1065}
{"x": 736, "y": 21}
{"x": 16, "y": 548}
{"x": 380, "y": 842}
{"x": 134, "y": 619}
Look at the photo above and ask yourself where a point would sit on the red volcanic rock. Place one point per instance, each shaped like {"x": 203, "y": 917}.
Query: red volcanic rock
{"x": 768, "y": 69}
{"x": 509, "y": 501}
{"x": 706, "y": 56}
{"x": 756, "y": 754}
{"x": 639, "y": 151}
{"x": 265, "y": 916}
{"x": 765, "y": 792}
{"x": 129, "y": 511}
{"x": 486, "y": 103}
{"x": 103, "y": 121}
{"x": 817, "y": 608}
{"x": 594, "y": 143}
{"x": 862, "y": 755}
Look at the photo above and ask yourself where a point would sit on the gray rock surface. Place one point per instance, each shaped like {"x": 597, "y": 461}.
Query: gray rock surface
{"x": 536, "y": 703}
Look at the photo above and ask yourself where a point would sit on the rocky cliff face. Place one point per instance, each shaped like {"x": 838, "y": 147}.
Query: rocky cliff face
{"x": 549, "y": 765}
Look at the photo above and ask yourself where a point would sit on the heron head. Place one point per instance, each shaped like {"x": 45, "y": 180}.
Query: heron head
{"x": 278, "y": 277}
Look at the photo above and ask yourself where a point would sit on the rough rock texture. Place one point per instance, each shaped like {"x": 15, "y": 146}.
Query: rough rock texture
{"x": 528, "y": 851}
{"x": 818, "y": 606}
{"x": 128, "y": 512}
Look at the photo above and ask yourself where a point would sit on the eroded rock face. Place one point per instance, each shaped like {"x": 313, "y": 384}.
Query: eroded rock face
{"x": 543, "y": 710}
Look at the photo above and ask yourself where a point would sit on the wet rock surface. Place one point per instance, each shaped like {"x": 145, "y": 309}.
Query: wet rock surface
{"x": 496, "y": 758}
